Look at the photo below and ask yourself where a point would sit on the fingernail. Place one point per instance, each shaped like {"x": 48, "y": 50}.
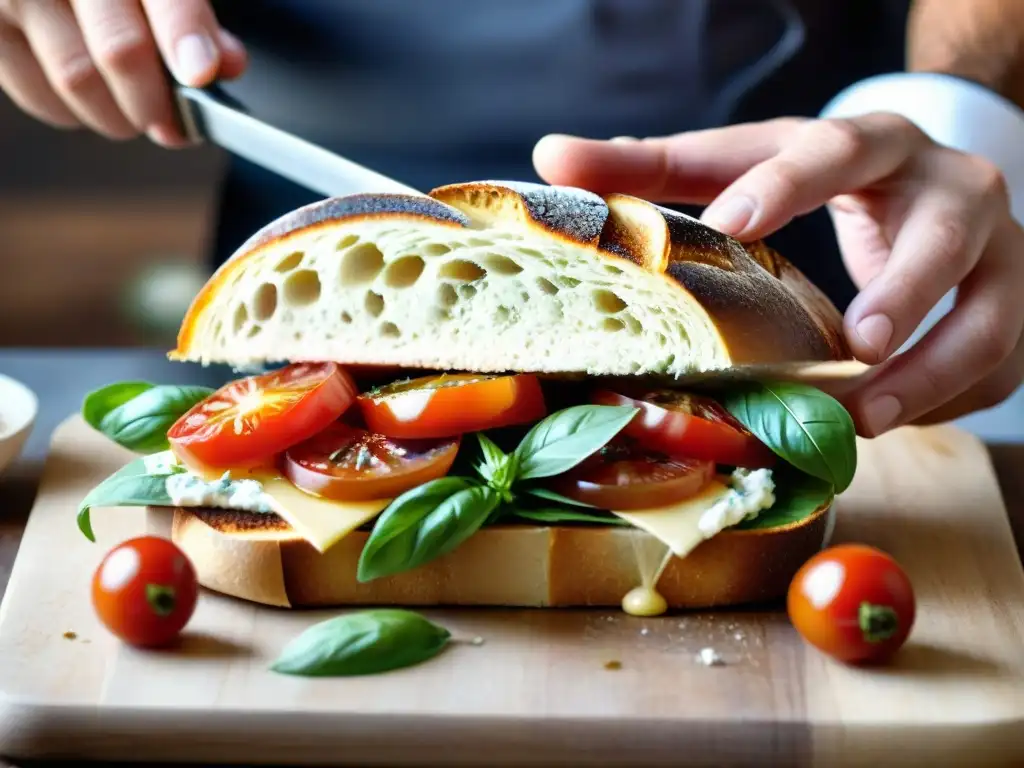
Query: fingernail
{"x": 731, "y": 216}
{"x": 881, "y": 413}
{"x": 229, "y": 41}
{"x": 876, "y": 332}
{"x": 195, "y": 59}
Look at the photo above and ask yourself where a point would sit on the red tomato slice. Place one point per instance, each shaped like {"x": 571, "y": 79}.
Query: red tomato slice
{"x": 247, "y": 422}
{"x": 852, "y": 602}
{"x": 694, "y": 426}
{"x": 623, "y": 475}
{"x": 350, "y": 464}
{"x": 453, "y": 404}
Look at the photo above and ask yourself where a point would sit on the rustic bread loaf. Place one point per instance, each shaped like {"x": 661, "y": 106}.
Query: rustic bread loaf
{"x": 497, "y": 276}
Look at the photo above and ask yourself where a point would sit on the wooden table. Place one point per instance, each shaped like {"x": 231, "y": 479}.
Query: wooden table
{"x": 61, "y": 379}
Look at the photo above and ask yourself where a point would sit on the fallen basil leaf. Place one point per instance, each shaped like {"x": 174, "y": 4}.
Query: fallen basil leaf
{"x": 567, "y": 437}
{"x": 362, "y": 643}
{"x": 131, "y": 486}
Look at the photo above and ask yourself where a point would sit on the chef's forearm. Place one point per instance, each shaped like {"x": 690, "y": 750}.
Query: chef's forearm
{"x": 979, "y": 40}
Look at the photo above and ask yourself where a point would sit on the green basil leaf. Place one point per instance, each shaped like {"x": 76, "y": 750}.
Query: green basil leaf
{"x": 557, "y": 515}
{"x": 801, "y": 424}
{"x": 425, "y": 523}
{"x": 100, "y": 402}
{"x": 494, "y": 457}
{"x": 141, "y": 423}
{"x": 362, "y": 643}
{"x": 130, "y": 486}
{"x": 797, "y": 497}
{"x": 567, "y": 437}
{"x": 544, "y": 493}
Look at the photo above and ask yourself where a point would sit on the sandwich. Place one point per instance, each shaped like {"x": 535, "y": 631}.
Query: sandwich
{"x": 496, "y": 394}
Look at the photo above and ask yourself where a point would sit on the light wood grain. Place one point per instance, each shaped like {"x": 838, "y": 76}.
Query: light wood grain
{"x": 538, "y": 690}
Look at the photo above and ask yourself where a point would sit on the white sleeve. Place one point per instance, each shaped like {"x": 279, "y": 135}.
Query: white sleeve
{"x": 954, "y": 112}
{"x": 968, "y": 117}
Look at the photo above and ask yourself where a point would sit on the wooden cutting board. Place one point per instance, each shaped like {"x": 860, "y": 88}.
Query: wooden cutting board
{"x": 538, "y": 689}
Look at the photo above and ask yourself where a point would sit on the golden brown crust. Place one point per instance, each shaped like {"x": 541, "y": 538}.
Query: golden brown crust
{"x": 516, "y": 565}
{"x": 763, "y": 309}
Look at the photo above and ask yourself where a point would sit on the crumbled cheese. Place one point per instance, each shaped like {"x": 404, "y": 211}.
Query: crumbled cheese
{"x": 750, "y": 492}
{"x": 188, "y": 490}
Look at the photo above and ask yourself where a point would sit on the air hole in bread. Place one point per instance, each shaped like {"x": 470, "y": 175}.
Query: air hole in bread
{"x": 501, "y": 264}
{"x": 611, "y": 269}
{"x": 447, "y": 295}
{"x": 289, "y": 262}
{"x": 567, "y": 282}
{"x": 301, "y": 288}
{"x": 347, "y": 242}
{"x": 612, "y": 324}
{"x": 390, "y": 330}
{"x": 240, "y": 319}
{"x": 437, "y": 249}
{"x": 361, "y": 264}
{"x": 546, "y": 286}
{"x": 462, "y": 270}
{"x": 254, "y": 331}
{"x": 440, "y": 314}
{"x": 264, "y": 302}
{"x": 218, "y": 329}
{"x": 467, "y": 291}
{"x": 662, "y": 339}
{"x": 374, "y": 304}
{"x": 632, "y": 323}
{"x": 403, "y": 272}
{"x": 607, "y": 303}
{"x": 531, "y": 252}
{"x": 346, "y": 318}
{"x": 476, "y": 242}
{"x": 502, "y": 314}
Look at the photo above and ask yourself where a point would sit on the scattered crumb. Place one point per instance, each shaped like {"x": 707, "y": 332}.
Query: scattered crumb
{"x": 613, "y": 664}
{"x": 477, "y": 640}
{"x": 709, "y": 658}
{"x": 69, "y": 635}
{"x": 644, "y": 631}
{"x": 739, "y": 635}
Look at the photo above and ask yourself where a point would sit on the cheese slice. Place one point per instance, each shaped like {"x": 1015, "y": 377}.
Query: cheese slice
{"x": 321, "y": 522}
{"x": 677, "y": 526}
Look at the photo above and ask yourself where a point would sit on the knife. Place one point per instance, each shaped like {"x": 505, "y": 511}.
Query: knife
{"x": 211, "y": 115}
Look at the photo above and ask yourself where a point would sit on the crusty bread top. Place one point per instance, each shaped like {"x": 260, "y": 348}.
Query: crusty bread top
{"x": 494, "y": 276}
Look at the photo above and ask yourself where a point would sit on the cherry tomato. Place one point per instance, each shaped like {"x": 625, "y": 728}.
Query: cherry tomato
{"x": 350, "y": 464}
{"x": 145, "y": 590}
{"x": 623, "y": 476}
{"x": 247, "y": 422}
{"x": 453, "y": 404}
{"x": 682, "y": 424}
{"x": 853, "y": 602}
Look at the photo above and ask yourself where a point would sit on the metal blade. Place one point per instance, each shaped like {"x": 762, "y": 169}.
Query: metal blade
{"x": 210, "y": 115}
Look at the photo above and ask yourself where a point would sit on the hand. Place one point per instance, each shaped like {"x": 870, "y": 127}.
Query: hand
{"x": 913, "y": 220}
{"x": 96, "y": 63}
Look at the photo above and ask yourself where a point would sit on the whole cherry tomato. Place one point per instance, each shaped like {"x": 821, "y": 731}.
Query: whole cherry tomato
{"x": 853, "y": 602}
{"x": 145, "y": 591}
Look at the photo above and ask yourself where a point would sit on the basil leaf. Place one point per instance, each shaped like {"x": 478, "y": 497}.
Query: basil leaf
{"x": 141, "y": 423}
{"x": 556, "y": 515}
{"x": 130, "y": 486}
{"x": 362, "y": 643}
{"x": 803, "y": 425}
{"x": 797, "y": 497}
{"x": 567, "y": 437}
{"x": 425, "y": 523}
{"x": 544, "y": 493}
{"x": 494, "y": 457}
{"x": 100, "y": 402}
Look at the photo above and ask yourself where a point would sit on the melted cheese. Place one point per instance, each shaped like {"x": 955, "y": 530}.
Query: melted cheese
{"x": 321, "y": 522}
{"x": 677, "y": 526}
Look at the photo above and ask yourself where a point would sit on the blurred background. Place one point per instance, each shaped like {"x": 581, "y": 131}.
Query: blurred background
{"x": 87, "y": 224}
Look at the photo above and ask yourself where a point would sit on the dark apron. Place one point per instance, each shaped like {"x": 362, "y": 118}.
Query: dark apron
{"x": 437, "y": 91}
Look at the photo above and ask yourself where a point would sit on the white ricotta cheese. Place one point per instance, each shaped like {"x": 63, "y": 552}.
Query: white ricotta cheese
{"x": 188, "y": 490}
{"x": 750, "y": 491}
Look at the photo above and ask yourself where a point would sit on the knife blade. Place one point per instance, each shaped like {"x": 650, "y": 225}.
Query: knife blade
{"x": 211, "y": 115}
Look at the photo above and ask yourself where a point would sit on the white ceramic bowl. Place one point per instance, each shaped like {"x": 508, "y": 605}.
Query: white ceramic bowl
{"x": 18, "y": 408}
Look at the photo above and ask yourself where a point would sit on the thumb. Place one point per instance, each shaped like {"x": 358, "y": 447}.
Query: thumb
{"x": 689, "y": 167}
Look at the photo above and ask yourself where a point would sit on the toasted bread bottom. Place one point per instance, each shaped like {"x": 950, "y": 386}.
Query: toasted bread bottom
{"x": 259, "y": 558}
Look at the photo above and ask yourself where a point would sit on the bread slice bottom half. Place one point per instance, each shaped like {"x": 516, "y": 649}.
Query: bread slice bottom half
{"x": 260, "y": 559}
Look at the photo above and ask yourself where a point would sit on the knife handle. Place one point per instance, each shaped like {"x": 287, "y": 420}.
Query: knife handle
{"x": 187, "y": 119}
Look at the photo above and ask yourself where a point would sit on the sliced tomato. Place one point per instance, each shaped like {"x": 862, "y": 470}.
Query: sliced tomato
{"x": 453, "y": 404}
{"x": 694, "y": 426}
{"x": 249, "y": 421}
{"x": 624, "y": 475}
{"x": 346, "y": 463}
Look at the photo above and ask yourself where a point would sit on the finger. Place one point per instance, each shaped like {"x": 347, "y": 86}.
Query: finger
{"x": 187, "y": 34}
{"x": 22, "y": 79}
{"x": 685, "y": 168}
{"x": 52, "y": 32}
{"x": 963, "y": 348}
{"x": 938, "y": 245}
{"x": 117, "y": 36}
{"x": 233, "y": 57}
{"x": 822, "y": 160}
